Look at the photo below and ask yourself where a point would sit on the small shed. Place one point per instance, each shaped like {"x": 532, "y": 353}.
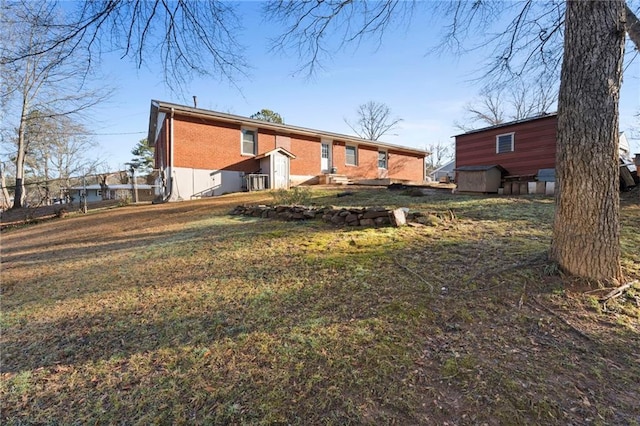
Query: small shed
{"x": 479, "y": 178}
{"x": 276, "y": 165}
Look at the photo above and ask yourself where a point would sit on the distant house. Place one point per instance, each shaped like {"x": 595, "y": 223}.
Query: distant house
{"x": 521, "y": 148}
{"x": 445, "y": 171}
{"x": 204, "y": 153}
{"x": 112, "y": 192}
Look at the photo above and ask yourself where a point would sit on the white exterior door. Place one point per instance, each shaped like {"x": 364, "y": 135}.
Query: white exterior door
{"x": 325, "y": 156}
{"x": 280, "y": 171}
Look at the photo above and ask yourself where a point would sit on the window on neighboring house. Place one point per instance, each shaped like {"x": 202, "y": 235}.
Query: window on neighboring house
{"x": 504, "y": 143}
{"x": 351, "y": 155}
{"x": 382, "y": 159}
{"x": 249, "y": 142}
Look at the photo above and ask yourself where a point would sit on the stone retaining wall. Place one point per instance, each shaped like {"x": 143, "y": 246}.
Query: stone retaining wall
{"x": 368, "y": 216}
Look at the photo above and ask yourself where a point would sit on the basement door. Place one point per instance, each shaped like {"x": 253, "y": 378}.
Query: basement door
{"x": 280, "y": 171}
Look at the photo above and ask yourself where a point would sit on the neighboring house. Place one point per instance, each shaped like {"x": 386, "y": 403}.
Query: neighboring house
{"x": 444, "y": 171}
{"x": 204, "y": 153}
{"x": 521, "y": 148}
{"x": 113, "y": 192}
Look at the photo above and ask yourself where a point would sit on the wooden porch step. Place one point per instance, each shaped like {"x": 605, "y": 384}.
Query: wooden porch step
{"x": 334, "y": 179}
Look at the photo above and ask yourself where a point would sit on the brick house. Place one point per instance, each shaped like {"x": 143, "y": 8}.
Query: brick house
{"x": 204, "y": 153}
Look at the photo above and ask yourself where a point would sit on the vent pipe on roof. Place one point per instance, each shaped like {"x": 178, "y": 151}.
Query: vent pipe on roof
{"x": 195, "y": 101}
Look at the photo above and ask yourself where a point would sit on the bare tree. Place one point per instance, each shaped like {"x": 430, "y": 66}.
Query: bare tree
{"x": 374, "y": 121}
{"x": 580, "y": 42}
{"x": 438, "y": 154}
{"x": 4, "y": 191}
{"x": 515, "y": 101}
{"x": 488, "y": 110}
{"x": 43, "y": 86}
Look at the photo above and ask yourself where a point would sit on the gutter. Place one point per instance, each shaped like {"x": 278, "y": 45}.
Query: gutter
{"x": 285, "y": 128}
{"x": 168, "y": 197}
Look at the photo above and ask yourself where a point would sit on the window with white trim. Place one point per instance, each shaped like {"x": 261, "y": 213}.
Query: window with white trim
{"x": 351, "y": 155}
{"x": 504, "y": 143}
{"x": 382, "y": 159}
{"x": 249, "y": 142}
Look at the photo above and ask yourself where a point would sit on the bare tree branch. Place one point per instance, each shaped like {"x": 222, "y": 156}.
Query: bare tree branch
{"x": 633, "y": 27}
{"x": 310, "y": 25}
{"x": 509, "y": 103}
{"x": 374, "y": 121}
{"x": 191, "y": 37}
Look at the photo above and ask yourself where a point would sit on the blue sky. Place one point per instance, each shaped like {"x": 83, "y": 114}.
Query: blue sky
{"x": 428, "y": 91}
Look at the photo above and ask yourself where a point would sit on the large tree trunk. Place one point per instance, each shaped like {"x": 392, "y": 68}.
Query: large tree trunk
{"x": 586, "y": 232}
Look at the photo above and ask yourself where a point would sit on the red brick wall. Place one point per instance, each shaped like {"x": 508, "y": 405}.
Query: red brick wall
{"x": 203, "y": 144}
{"x": 400, "y": 165}
{"x": 534, "y": 147}
{"x": 206, "y": 144}
{"x": 406, "y": 167}
{"x": 307, "y": 152}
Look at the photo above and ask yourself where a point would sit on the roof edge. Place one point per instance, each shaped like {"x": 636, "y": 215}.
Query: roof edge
{"x": 510, "y": 123}
{"x": 241, "y": 120}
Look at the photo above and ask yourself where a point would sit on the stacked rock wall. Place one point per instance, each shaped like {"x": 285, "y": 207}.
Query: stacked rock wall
{"x": 367, "y": 216}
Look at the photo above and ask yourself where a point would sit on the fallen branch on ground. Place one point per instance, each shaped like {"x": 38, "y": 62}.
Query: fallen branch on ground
{"x": 618, "y": 291}
{"x": 486, "y": 273}
{"x": 539, "y": 305}
{"x": 416, "y": 274}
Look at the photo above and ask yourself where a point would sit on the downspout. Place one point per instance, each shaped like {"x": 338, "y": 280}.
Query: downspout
{"x": 171, "y": 171}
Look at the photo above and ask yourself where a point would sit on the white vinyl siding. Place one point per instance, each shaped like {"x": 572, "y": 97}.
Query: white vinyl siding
{"x": 504, "y": 143}
{"x": 351, "y": 155}
{"x": 249, "y": 142}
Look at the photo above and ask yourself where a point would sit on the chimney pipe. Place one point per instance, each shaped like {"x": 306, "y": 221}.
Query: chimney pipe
{"x": 195, "y": 101}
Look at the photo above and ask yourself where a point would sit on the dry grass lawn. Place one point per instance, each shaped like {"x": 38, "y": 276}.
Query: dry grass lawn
{"x": 182, "y": 314}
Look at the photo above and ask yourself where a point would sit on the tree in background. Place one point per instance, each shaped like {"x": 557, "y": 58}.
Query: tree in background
{"x": 143, "y": 159}
{"x": 374, "y": 121}
{"x": 4, "y": 190}
{"x": 42, "y": 82}
{"x": 439, "y": 154}
{"x": 268, "y": 115}
{"x": 57, "y": 149}
{"x": 516, "y": 101}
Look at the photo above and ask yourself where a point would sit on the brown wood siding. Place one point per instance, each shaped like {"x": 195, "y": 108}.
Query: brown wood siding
{"x": 534, "y": 147}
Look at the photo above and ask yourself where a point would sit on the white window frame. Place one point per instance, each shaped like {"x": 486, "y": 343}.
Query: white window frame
{"x": 386, "y": 159}
{"x": 346, "y": 157}
{"x": 255, "y": 141}
{"x": 513, "y": 137}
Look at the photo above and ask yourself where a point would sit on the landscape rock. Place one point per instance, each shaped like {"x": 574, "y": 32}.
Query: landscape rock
{"x": 370, "y": 216}
{"x": 398, "y": 217}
